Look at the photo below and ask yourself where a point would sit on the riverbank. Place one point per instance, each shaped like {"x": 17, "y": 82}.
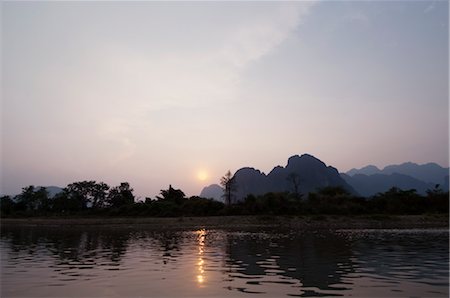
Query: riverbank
{"x": 241, "y": 222}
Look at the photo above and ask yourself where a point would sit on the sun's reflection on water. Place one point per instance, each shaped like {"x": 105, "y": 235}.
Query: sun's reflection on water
{"x": 201, "y": 234}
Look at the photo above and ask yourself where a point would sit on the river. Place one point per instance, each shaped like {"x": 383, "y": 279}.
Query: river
{"x": 99, "y": 261}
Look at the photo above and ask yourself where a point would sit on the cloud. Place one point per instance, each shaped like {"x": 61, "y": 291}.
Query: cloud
{"x": 127, "y": 77}
{"x": 106, "y": 87}
{"x": 257, "y": 38}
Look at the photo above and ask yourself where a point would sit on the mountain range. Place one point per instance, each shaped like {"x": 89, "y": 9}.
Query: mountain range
{"x": 302, "y": 174}
{"x": 370, "y": 180}
{"x": 305, "y": 173}
{"x": 429, "y": 173}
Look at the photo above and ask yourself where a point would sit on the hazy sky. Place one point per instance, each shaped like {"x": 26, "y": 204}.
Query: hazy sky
{"x": 159, "y": 93}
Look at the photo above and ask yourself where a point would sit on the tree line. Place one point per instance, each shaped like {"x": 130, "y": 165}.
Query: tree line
{"x": 88, "y": 198}
{"x": 337, "y": 201}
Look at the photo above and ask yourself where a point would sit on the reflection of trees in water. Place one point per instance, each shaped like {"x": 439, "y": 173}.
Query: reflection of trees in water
{"x": 319, "y": 260}
{"x": 72, "y": 245}
{"x": 425, "y": 254}
{"x": 324, "y": 260}
{"x": 169, "y": 244}
{"x": 315, "y": 260}
{"x": 90, "y": 245}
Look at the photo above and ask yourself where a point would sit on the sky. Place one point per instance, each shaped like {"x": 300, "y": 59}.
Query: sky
{"x": 159, "y": 93}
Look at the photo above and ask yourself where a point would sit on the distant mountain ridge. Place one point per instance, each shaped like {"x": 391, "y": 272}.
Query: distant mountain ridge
{"x": 302, "y": 174}
{"x": 312, "y": 174}
{"x": 370, "y": 180}
{"x": 367, "y": 170}
{"x": 213, "y": 191}
{"x": 429, "y": 172}
{"x": 369, "y": 185}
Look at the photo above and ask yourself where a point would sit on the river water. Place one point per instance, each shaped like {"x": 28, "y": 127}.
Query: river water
{"x": 96, "y": 261}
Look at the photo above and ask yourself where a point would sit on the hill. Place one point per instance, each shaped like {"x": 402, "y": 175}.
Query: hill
{"x": 369, "y": 185}
{"x": 370, "y": 180}
{"x": 213, "y": 191}
{"x": 428, "y": 173}
{"x": 302, "y": 174}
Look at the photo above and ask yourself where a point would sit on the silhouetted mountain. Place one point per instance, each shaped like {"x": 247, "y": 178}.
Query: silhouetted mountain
{"x": 429, "y": 173}
{"x": 306, "y": 173}
{"x": 368, "y": 181}
{"x": 369, "y": 185}
{"x": 367, "y": 170}
{"x": 213, "y": 191}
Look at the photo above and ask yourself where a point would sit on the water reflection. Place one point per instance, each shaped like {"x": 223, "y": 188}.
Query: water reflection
{"x": 330, "y": 263}
{"x": 70, "y": 248}
{"x": 309, "y": 261}
{"x": 99, "y": 261}
{"x": 169, "y": 244}
{"x": 201, "y": 234}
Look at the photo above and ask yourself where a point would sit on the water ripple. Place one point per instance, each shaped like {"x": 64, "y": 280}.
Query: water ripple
{"x": 126, "y": 262}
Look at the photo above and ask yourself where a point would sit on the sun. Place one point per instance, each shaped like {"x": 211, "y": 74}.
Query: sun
{"x": 202, "y": 175}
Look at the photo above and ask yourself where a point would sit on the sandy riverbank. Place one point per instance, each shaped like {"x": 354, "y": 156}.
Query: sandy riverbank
{"x": 241, "y": 222}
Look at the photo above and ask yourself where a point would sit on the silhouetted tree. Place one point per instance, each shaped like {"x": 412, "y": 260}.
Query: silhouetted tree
{"x": 64, "y": 203}
{"x": 198, "y": 206}
{"x": 81, "y": 191}
{"x": 437, "y": 200}
{"x": 397, "y": 201}
{"x": 333, "y": 191}
{"x": 294, "y": 179}
{"x": 26, "y": 200}
{"x": 334, "y": 200}
{"x": 99, "y": 193}
{"x": 7, "y": 205}
{"x": 88, "y": 193}
{"x": 41, "y": 200}
{"x": 228, "y": 184}
{"x": 32, "y": 200}
{"x": 121, "y": 195}
{"x": 174, "y": 195}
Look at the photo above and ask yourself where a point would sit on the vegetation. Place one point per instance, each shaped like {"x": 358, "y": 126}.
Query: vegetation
{"x": 89, "y": 198}
{"x": 228, "y": 183}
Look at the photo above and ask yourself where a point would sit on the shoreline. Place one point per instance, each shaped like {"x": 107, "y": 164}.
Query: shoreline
{"x": 310, "y": 222}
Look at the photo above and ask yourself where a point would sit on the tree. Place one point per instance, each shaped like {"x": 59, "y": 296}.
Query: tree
{"x": 437, "y": 200}
{"x": 33, "y": 200}
{"x": 121, "y": 195}
{"x": 63, "y": 202}
{"x": 333, "y": 191}
{"x": 41, "y": 200}
{"x": 80, "y": 191}
{"x": 99, "y": 193}
{"x": 7, "y": 205}
{"x": 398, "y": 201}
{"x": 228, "y": 183}
{"x": 26, "y": 198}
{"x": 172, "y": 194}
{"x": 294, "y": 179}
{"x": 89, "y": 193}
